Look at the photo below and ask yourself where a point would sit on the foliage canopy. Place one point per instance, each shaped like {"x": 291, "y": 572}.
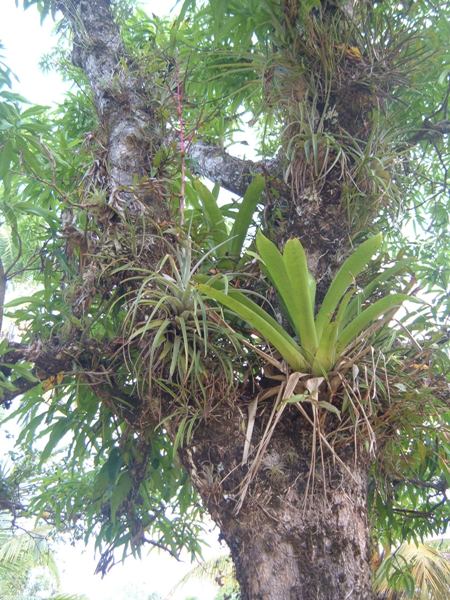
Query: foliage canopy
{"x": 100, "y": 466}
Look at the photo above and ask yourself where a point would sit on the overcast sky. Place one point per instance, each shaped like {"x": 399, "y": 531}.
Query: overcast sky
{"x": 27, "y": 42}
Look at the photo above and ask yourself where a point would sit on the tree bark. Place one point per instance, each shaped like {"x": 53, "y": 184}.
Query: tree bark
{"x": 321, "y": 553}
{"x": 295, "y": 533}
{"x": 299, "y": 531}
{"x": 232, "y": 173}
{"x": 124, "y": 108}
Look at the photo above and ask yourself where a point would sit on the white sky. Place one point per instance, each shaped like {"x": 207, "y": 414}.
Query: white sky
{"x": 26, "y": 41}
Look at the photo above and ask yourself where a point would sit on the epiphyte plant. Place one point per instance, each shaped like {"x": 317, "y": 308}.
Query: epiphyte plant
{"x": 229, "y": 242}
{"x": 320, "y": 340}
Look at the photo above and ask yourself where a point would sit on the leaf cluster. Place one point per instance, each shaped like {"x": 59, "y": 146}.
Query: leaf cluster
{"x": 323, "y": 339}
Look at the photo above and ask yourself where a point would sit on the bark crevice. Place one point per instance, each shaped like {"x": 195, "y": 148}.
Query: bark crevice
{"x": 281, "y": 549}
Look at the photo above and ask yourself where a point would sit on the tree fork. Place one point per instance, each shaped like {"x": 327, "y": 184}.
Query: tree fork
{"x": 315, "y": 553}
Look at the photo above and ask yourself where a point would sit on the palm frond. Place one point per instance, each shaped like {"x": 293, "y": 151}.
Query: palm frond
{"x": 423, "y": 564}
{"x": 213, "y": 570}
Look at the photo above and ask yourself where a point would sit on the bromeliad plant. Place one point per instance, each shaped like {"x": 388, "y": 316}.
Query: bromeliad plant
{"x": 322, "y": 339}
{"x": 169, "y": 332}
{"x": 228, "y": 242}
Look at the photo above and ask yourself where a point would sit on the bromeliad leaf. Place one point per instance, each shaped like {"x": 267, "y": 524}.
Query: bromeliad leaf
{"x": 346, "y": 275}
{"x": 229, "y": 243}
{"x": 245, "y": 214}
{"x": 213, "y": 214}
{"x": 324, "y": 340}
{"x": 278, "y": 274}
{"x": 300, "y": 278}
{"x": 255, "y": 316}
{"x": 368, "y": 316}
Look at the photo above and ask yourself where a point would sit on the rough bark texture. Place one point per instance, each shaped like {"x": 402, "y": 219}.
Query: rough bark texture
{"x": 300, "y": 534}
{"x": 126, "y": 115}
{"x": 320, "y": 553}
{"x": 293, "y": 538}
{"x": 234, "y": 174}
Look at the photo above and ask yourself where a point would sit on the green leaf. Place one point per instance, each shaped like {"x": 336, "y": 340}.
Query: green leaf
{"x": 6, "y": 156}
{"x": 325, "y": 357}
{"x": 341, "y": 316}
{"x": 245, "y": 214}
{"x": 7, "y": 385}
{"x": 277, "y": 272}
{"x": 355, "y": 305}
{"x": 25, "y": 371}
{"x": 244, "y": 299}
{"x": 120, "y": 493}
{"x": 370, "y": 314}
{"x": 38, "y": 211}
{"x": 330, "y": 407}
{"x": 113, "y": 464}
{"x": 213, "y": 214}
{"x": 58, "y": 430}
{"x": 346, "y": 275}
{"x": 20, "y": 301}
{"x": 262, "y": 322}
{"x": 297, "y": 269}
{"x": 31, "y": 428}
{"x": 294, "y": 399}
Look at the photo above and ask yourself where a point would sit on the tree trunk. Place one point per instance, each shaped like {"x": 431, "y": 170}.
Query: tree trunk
{"x": 295, "y": 531}
{"x": 291, "y": 552}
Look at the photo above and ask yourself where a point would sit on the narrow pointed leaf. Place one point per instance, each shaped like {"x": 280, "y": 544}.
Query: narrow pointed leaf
{"x": 355, "y": 305}
{"x": 244, "y": 299}
{"x": 346, "y": 275}
{"x": 312, "y": 290}
{"x": 370, "y": 314}
{"x": 221, "y": 285}
{"x": 213, "y": 214}
{"x": 245, "y": 215}
{"x": 297, "y": 269}
{"x": 262, "y": 322}
{"x": 277, "y": 272}
{"x": 58, "y": 430}
{"x": 325, "y": 358}
{"x": 341, "y": 315}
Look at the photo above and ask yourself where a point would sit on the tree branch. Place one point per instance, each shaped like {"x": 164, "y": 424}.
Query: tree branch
{"x": 47, "y": 360}
{"x": 430, "y": 131}
{"x": 22, "y": 386}
{"x": 123, "y": 101}
{"x": 232, "y": 173}
{"x": 125, "y": 110}
{"x": 422, "y": 514}
{"x": 60, "y": 357}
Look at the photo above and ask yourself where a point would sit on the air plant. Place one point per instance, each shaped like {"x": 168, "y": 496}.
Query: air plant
{"x": 321, "y": 340}
{"x": 169, "y": 326}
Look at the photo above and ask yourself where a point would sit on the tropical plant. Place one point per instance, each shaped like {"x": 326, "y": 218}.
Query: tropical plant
{"x": 218, "y": 571}
{"x": 23, "y": 555}
{"x": 173, "y": 338}
{"x": 142, "y": 397}
{"x": 227, "y": 242}
{"x": 419, "y": 571}
{"x": 324, "y": 339}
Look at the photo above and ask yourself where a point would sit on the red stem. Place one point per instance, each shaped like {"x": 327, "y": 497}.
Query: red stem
{"x": 182, "y": 144}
